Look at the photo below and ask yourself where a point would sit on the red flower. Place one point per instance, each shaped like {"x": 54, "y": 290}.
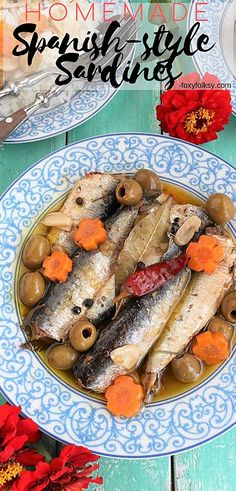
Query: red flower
{"x": 195, "y": 115}
{"x": 68, "y": 472}
{"x": 15, "y": 433}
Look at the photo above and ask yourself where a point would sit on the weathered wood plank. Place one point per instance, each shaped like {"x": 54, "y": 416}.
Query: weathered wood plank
{"x": 135, "y": 475}
{"x": 139, "y": 116}
{"x": 208, "y": 468}
{"x": 14, "y": 159}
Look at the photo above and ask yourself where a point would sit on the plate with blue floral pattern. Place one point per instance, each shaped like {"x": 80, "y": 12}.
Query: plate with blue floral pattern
{"x": 64, "y": 117}
{"x": 68, "y": 110}
{"x": 168, "y": 426}
{"x": 220, "y": 28}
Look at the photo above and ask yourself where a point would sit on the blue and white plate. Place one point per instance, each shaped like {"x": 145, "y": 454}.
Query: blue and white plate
{"x": 65, "y": 117}
{"x": 167, "y": 427}
{"x": 220, "y": 27}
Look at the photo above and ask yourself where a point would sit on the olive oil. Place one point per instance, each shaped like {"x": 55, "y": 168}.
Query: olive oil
{"x": 170, "y": 387}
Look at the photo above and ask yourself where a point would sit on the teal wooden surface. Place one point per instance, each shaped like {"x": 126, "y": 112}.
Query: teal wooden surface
{"x": 207, "y": 468}
{"x": 210, "y": 467}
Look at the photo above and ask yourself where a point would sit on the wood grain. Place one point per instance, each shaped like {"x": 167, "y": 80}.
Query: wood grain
{"x": 210, "y": 467}
{"x": 135, "y": 475}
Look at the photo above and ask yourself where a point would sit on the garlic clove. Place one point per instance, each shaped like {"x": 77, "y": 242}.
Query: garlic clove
{"x": 186, "y": 232}
{"x": 59, "y": 220}
{"x": 126, "y": 356}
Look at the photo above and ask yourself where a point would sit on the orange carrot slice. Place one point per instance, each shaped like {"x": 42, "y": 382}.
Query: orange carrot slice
{"x": 57, "y": 266}
{"x": 210, "y": 347}
{"x": 205, "y": 255}
{"x": 90, "y": 233}
{"x": 124, "y": 397}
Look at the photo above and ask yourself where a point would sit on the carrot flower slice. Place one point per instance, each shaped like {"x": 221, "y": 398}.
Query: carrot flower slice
{"x": 210, "y": 347}
{"x": 124, "y": 397}
{"x": 57, "y": 266}
{"x": 90, "y": 233}
{"x": 205, "y": 255}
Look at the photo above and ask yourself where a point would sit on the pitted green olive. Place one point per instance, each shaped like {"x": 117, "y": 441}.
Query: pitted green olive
{"x": 228, "y": 307}
{"x": 218, "y": 324}
{"x": 83, "y": 335}
{"x": 150, "y": 182}
{"x": 186, "y": 368}
{"x": 36, "y": 249}
{"x": 220, "y": 208}
{"x": 61, "y": 356}
{"x": 129, "y": 192}
{"x": 31, "y": 288}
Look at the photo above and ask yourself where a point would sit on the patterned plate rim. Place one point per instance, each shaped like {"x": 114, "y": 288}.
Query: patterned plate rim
{"x": 158, "y": 138}
{"x": 63, "y": 130}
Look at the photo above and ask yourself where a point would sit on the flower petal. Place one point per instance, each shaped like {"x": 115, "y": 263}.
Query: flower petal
{"x": 78, "y": 456}
{"x": 29, "y": 457}
{"x": 28, "y": 427}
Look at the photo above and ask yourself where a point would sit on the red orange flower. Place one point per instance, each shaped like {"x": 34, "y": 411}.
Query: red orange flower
{"x": 195, "y": 115}
{"x": 71, "y": 471}
{"x": 68, "y": 472}
{"x": 15, "y": 433}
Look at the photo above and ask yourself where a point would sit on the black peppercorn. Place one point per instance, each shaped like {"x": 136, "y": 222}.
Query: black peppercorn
{"x": 88, "y": 302}
{"x": 79, "y": 201}
{"x": 76, "y": 309}
{"x": 140, "y": 265}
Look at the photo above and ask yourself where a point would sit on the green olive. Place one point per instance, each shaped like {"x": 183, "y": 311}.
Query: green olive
{"x": 150, "y": 182}
{"x": 61, "y": 356}
{"x": 186, "y": 368}
{"x": 36, "y": 249}
{"x": 220, "y": 208}
{"x": 31, "y": 288}
{"x": 83, "y": 335}
{"x": 228, "y": 307}
{"x": 218, "y": 324}
{"x": 129, "y": 192}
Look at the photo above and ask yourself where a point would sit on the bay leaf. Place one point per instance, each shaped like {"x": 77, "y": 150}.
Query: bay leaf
{"x": 147, "y": 242}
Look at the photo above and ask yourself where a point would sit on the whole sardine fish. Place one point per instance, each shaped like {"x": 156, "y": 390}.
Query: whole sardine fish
{"x": 93, "y": 196}
{"x": 201, "y": 302}
{"x": 122, "y": 346}
{"x": 66, "y": 302}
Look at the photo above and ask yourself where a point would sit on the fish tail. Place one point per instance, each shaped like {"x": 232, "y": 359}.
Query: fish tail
{"x": 149, "y": 384}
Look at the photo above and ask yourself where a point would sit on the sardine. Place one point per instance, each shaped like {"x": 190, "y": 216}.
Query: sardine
{"x": 93, "y": 196}
{"x": 180, "y": 213}
{"x": 66, "y": 302}
{"x": 122, "y": 346}
{"x": 200, "y": 304}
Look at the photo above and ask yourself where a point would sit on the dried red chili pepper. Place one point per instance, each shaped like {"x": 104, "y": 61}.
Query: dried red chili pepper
{"x": 148, "y": 279}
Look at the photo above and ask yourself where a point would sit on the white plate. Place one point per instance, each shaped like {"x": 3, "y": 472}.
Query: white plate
{"x": 163, "y": 428}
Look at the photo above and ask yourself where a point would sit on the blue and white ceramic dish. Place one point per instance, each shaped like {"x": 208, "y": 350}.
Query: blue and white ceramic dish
{"x": 220, "y": 27}
{"x": 52, "y": 122}
{"x": 163, "y": 428}
{"x": 65, "y": 116}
